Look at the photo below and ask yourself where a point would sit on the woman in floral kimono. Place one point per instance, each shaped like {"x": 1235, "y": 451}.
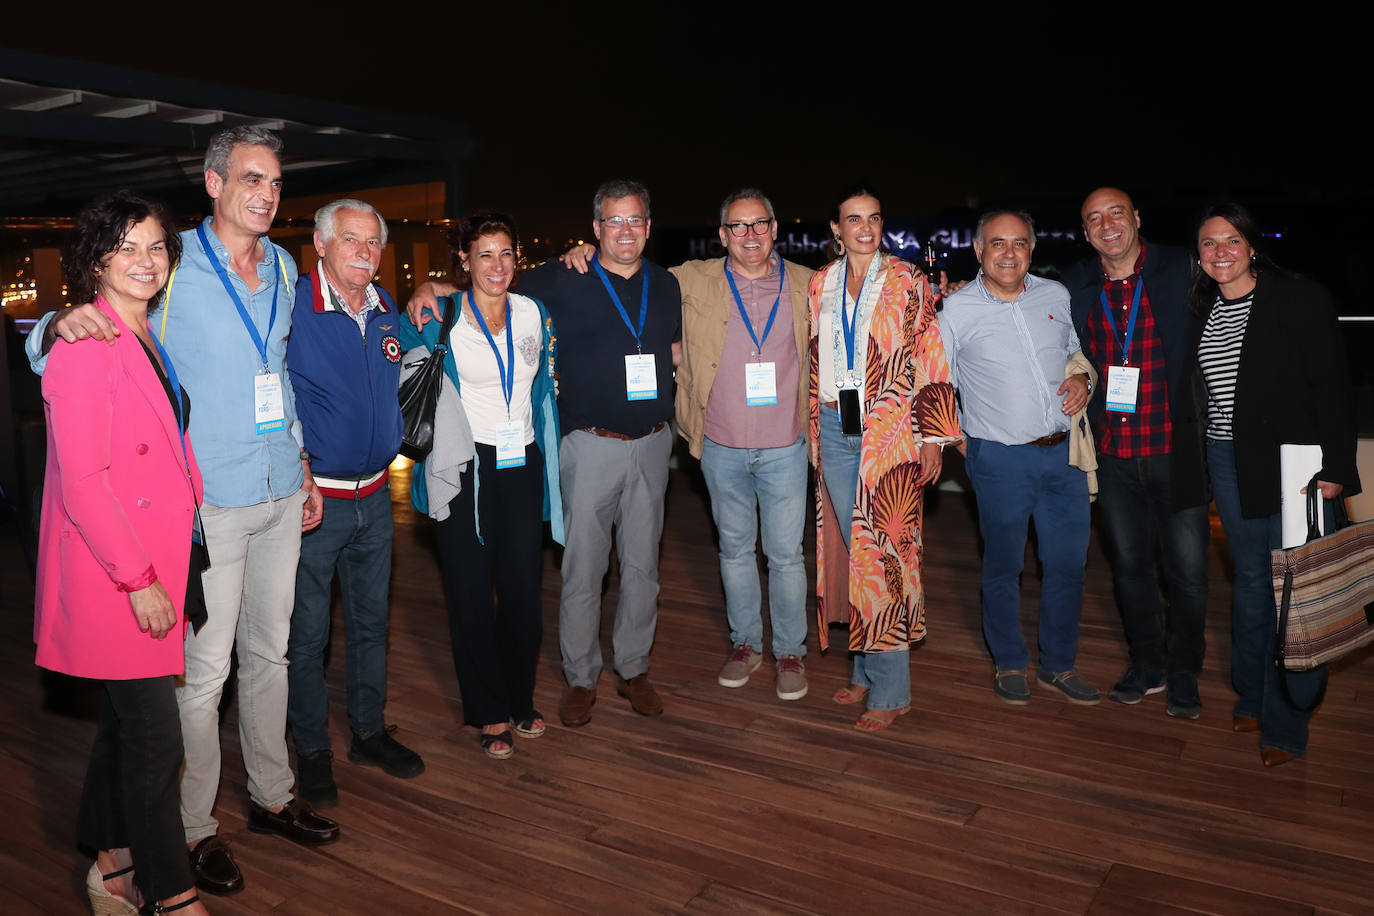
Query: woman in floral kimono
{"x": 878, "y": 373}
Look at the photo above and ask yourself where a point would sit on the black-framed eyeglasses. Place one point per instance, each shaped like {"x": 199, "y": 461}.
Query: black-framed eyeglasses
{"x": 615, "y": 222}
{"x": 758, "y": 227}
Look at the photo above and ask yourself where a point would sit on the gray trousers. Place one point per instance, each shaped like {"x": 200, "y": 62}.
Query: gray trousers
{"x": 610, "y": 482}
{"x": 250, "y": 590}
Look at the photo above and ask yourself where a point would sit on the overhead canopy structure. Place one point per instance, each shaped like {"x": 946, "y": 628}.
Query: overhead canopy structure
{"x": 72, "y": 129}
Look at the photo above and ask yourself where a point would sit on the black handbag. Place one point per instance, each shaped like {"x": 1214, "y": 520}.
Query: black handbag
{"x": 419, "y": 394}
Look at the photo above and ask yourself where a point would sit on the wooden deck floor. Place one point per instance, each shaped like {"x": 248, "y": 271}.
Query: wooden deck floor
{"x": 733, "y": 801}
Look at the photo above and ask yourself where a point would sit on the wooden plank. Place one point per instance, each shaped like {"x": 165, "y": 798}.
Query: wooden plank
{"x": 734, "y": 801}
{"x": 1197, "y": 896}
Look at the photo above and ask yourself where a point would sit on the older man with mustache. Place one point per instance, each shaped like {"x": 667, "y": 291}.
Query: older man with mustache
{"x": 351, "y": 426}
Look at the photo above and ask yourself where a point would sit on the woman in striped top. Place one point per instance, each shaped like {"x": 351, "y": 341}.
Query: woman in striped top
{"x": 1275, "y": 371}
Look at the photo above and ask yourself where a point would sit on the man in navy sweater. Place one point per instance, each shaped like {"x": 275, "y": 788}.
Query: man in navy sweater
{"x": 344, "y": 357}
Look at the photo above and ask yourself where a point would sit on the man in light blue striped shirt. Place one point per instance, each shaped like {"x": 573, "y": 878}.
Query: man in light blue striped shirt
{"x": 1008, "y": 336}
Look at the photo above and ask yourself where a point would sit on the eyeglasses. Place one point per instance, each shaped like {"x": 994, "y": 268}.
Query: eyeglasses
{"x": 615, "y": 222}
{"x": 758, "y": 227}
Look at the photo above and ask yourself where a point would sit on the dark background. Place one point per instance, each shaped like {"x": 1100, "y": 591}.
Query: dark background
{"x": 1027, "y": 104}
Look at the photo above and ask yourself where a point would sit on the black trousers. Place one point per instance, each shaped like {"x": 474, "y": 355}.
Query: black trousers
{"x": 495, "y": 645}
{"x": 132, "y": 784}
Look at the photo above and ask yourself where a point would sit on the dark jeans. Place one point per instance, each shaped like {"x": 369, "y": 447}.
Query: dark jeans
{"x": 1015, "y": 484}
{"x": 1254, "y": 618}
{"x": 131, "y": 792}
{"x": 495, "y": 647}
{"x": 354, "y": 537}
{"x": 1135, "y": 498}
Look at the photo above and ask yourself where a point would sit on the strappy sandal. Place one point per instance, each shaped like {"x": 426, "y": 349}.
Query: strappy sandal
{"x": 848, "y": 696}
{"x": 492, "y": 744}
{"x": 104, "y": 903}
{"x": 532, "y": 726}
{"x": 159, "y": 908}
{"x": 868, "y": 722}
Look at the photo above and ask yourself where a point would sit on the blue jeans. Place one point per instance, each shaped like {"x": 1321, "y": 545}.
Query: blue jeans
{"x": 887, "y": 675}
{"x": 1254, "y": 617}
{"x": 753, "y": 488}
{"x": 1137, "y": 513}
{"x": 839, "y": 469}
{"x": 355, "y": 538}
{"x": 1015, "y": 484}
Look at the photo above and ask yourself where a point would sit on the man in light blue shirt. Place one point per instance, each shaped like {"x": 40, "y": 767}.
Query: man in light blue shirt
{"x": 224, "y": 322}
{"x": 1008, "y": 336}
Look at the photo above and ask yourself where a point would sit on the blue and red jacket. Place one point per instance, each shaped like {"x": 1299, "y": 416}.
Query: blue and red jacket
{"x": 345, "y": 384}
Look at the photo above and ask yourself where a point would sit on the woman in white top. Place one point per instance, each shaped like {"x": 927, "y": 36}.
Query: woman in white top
{"x": 500, "y": 361}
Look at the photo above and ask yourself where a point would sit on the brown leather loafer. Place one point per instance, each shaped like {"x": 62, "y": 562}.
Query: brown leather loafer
{"x": 295, "y": 821}
{"x": 1244, "y": 724}
{"x": 576, "y": 708}
{"x": 641, "y": 694}
{"x": 214, "y": 868}
{"x": 1273, "y": 757}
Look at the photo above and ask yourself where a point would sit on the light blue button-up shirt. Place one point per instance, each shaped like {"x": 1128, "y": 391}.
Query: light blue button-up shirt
{"x": 216, "y": 361}
{"x": 1007, "y": 359}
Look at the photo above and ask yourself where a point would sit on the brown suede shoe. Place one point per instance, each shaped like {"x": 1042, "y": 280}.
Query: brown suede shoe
{"x": 1244, "y": 724}
{"x": 576, "y": 708}
{"x": 1273, "y": 757}
{"x": 641, "y": 694}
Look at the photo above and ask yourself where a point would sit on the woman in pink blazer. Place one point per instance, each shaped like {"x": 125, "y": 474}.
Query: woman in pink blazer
{"x": 119, "y": 510}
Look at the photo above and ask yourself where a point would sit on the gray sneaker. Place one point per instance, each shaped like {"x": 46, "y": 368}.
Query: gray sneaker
{"x": 1012, "y": 687}
{"x": 1071, "y": 684}
{"x": 743, "y": 662}
{"x": 791, "y": 683}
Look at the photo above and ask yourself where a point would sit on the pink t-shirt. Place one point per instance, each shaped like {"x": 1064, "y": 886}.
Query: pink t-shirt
{"x": 729, "y": 420}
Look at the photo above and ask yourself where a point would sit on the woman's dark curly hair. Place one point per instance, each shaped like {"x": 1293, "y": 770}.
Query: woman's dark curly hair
{"x": 467, "y": 231}
{"x": 100, "y": 229}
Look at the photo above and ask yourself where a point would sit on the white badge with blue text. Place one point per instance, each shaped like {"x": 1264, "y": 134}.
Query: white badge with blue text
{"x": 1123, "y": 386}
{"x": 510, "y": 445}
{"x": 760, "y": 384}
{"x": 641, "y": 377}
{"x": 269, "y": 409}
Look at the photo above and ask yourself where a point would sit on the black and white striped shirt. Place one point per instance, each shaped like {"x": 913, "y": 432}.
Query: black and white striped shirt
{"x": 1219, "y": 355}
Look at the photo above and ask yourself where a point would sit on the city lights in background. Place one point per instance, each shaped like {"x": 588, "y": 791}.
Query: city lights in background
{"x": 20, "y": 292}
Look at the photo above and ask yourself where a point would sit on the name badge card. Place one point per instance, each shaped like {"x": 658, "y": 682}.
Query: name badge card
{"x": 641, "y": 377}
{"x": 760, "y": 384}
{"x": 1123, "y": 386}
{"x": 269, "y": 409}
{"x": 510, "y": 445}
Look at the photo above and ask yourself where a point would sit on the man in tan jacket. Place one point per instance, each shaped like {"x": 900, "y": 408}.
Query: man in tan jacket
{"x": 742, "y": 407}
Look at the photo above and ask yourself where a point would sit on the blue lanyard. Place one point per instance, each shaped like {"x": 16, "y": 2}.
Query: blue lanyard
{"x": 749, "y": 325}
{"x": 176, "y": 388}
{"x": 505, "y": 371}
{"x": 619, "y": 307}
{"x": 847, "y": 323}
{"x": 1130, "y": 324}
{"x": 238, "y": 303}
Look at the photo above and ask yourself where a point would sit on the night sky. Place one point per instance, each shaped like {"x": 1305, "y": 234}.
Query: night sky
{"x": 1025, "y": 105}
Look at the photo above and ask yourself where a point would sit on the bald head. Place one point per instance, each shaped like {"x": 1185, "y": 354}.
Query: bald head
{"x": 1111, "y": 225}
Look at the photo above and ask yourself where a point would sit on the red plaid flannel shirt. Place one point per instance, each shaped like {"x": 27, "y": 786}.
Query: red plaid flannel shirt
{"x": 1149, "y": 430}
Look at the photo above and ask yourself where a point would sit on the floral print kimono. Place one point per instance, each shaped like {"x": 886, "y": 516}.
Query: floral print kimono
{"x": 907, "y": 400}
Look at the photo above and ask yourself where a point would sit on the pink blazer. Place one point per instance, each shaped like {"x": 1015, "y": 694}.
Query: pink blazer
{"x": 118, "y": 504}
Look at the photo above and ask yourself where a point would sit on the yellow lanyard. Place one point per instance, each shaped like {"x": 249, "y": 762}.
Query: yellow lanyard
{"x": 167, "y": 296}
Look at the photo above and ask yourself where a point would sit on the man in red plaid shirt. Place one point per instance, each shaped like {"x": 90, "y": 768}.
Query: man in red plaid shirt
{"x": 1130, "y": 310}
